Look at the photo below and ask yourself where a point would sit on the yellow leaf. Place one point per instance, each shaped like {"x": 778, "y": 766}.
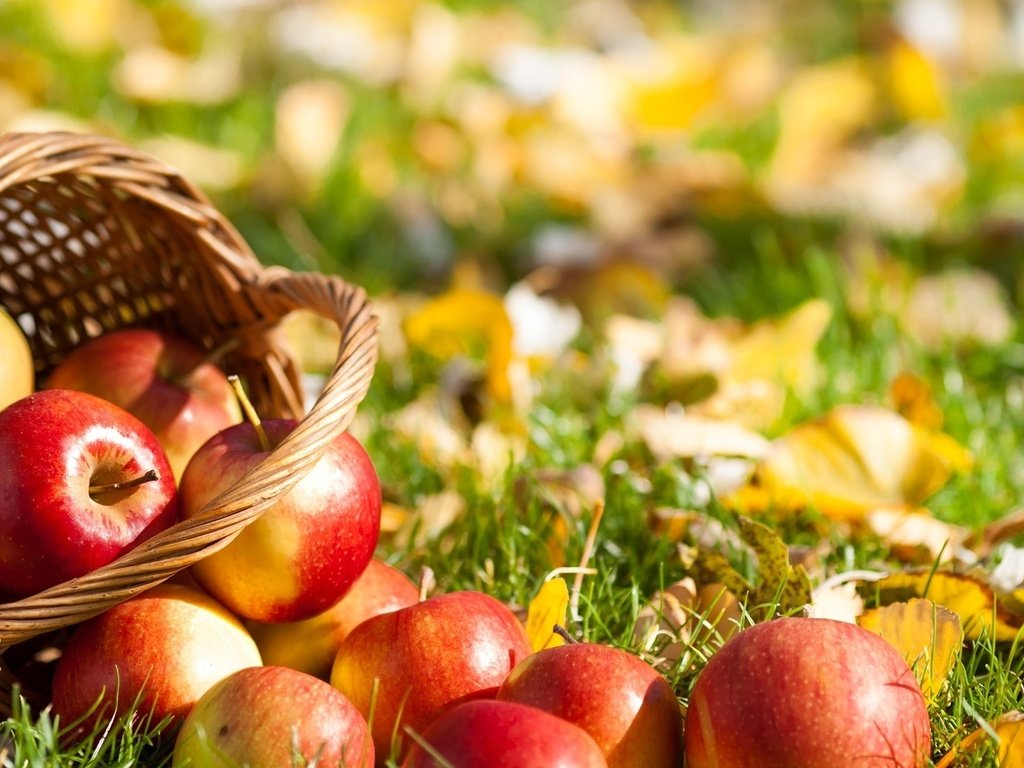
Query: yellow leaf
{"x": 783, "y": 349}
{"x": 916, "y": 536}
{"x": 547, "y": 609}
{"x": 929, "y": 636}
{"x": 917, "y": 86}
{"x": 854, "y": 459}
{"x": 466, "y": 323}
{"x": 974, "y": 601}
{"x": 911, "y": 397}
{"x": 1009, "y": 729}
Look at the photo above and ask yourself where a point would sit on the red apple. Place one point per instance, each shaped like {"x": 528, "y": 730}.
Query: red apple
{"x": 628, "y": 708}
{"x": 408, "y": 665}
{"x": 168, "y": 645}
{"x": 274, "y": 716}
{"x": 168, "y": 383}
{"x": 499, "y": 733}
{"x": 303, "y": 553}
{"x": 311, "y": 645}
{"x": 807, "y": 693}
{"x": 81, "y": 482}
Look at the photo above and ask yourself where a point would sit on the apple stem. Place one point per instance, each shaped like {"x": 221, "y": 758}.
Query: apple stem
{"x": 563, "y": 633}
{"x": 147, "y": 477}
{"x": 250, "y": 412}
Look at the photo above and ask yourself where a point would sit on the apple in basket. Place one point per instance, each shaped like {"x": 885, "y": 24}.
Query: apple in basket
{"x": 273, "y": 716}
{"x": 81, "y": 482}
{"x": 167, "y": 382}
{"x": 17, "y": 373}
{"x": 304, "y": 552}
{"x": 165, "y": 648}
{"x": 311, "y": 645}
{"x": 407, "y": 666}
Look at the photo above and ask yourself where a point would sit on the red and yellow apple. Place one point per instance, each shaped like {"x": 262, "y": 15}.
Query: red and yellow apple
{"x": 628, "y": 708}
{"x": 81, "y": 482}
{"x": 311, "y": 645}
{"x": 408, "y": 665}
{"x": 807, "y": 693}
{"x": 167, "y": 647}
{"x": 502, "y": 733}
{"x": 167, "y": 382}
{"x": 17, "y": 371}
{"x": 273, "y": 716}
{"x": 305, "y": 551}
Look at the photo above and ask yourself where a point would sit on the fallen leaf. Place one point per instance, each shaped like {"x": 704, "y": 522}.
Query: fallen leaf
{"x": 852, "y": 460}
{"x": 959, "y": 306}
{"x": 927, "y": 635}
{"x": 673, "y": 433}
{"x": 916, "y": 536}
{"x": 662, "y": 627}
{"x": 780, "y": 585}
{"x": 470, "y": 323}
{"x": 1009, "y": 731}
{"x": 547, "y": 609}
{"x": 973, "y": 600}
{"x": 911, "y": 397}
{"x": 839, "y": 602}
{"x": 431, "y": 517}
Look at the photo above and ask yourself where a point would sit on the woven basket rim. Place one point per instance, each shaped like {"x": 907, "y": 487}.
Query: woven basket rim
{"x": 29, "y": 157}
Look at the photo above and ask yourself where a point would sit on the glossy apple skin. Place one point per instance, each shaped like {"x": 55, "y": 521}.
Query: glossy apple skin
{"x": 172, "y": 643}
{"x": 162, "y": 379}
{"x": 628, "y": 708}
{"x": 264, "y": 716}
{"x": 311, "y": 645}
{"x": 502, "y": 733}
{"x": 807, "y": 693}
{"x": 303, "y": 553}
{"x": 17, "y": 371}
{"x": 446, "y": 649}
{"x": 53, "y": 445}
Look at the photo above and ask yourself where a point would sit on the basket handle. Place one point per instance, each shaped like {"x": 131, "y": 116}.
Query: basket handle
{"x": 178, "y": 547}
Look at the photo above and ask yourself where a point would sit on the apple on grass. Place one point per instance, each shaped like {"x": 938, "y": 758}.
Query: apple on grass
{"x": 165, "y": 647}
{"x": 407, "y": 666}
{"x": 17, "y": 371}
{"x": 502, "y": 733}
{"x": 311, "y": 645}
{"x": 628, "y": 708}
{"x": 167, "y": 382}
{"x": 807, "y": 693}
{"x": 81, "y": 482}
{"x": 272, "y": 716}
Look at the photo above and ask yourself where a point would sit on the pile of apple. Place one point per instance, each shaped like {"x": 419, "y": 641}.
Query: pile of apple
{"x": 295, "y": 641}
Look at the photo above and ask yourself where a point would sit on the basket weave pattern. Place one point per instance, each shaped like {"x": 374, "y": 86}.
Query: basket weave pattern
{"x": 96, "y": 236}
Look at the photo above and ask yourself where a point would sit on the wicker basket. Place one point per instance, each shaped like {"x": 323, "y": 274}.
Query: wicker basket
{"x": 96, "y": 236}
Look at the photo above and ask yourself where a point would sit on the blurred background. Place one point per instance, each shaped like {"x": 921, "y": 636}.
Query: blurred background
{"x": 392, "y": 141}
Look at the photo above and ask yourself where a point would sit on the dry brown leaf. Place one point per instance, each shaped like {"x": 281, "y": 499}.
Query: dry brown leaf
{"x": 663, "y": 626}
{"x": 673, "y": 433}
{"x": 928, "y": 636}
{"x": 916, "y": 536}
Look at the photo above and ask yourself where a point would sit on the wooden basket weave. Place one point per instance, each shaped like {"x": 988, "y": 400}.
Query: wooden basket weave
{"x": 96, "y": 236}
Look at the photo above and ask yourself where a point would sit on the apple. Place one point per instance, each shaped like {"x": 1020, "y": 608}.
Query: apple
{"x": 167, "y": 646}
{"x": 81, "y": 482}
{"x": 807, "y": 693}
{"x": 486, "y": 732}
{"x": 311, "y": 645}
{"x": 628, "y": 708}
{"x": 305, "y": 551}
{"x": 408, "y": 665}
{"x": 17, "y": 371}
{"x": 167, "y": 382}
{"x": 273, "y": 716}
